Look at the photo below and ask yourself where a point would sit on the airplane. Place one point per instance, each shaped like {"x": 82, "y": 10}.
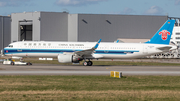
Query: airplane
{"x": 74, "y": 52}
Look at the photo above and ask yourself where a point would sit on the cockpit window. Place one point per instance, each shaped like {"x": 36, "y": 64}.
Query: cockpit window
{"x": 10, "y": 46}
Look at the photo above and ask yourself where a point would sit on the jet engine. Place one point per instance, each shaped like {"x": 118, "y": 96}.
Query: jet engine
{"x": 68, "y": 58}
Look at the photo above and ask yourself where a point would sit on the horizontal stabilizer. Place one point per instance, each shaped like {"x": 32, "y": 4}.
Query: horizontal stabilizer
{"x": 165, "y": 48}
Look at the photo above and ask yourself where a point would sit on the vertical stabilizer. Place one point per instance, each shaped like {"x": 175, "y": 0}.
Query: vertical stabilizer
{"x": 163, "y": 35}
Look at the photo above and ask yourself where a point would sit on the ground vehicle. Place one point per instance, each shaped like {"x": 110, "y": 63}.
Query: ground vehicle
{"x": 12, "y": 62}
{"x": 7, "y": 61}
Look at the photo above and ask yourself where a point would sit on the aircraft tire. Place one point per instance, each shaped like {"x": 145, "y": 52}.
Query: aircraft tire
{"x": 89, "y": 63}
{"x": 12, "y": 63}
{"x": 85, "y": 63}
{"x": 29, "y": 63}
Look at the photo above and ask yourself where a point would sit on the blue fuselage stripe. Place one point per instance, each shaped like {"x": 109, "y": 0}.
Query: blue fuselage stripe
{"x": 18, "y": 51}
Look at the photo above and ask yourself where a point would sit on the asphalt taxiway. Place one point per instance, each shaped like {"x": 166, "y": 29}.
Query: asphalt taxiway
{"x": 48, "y": 69}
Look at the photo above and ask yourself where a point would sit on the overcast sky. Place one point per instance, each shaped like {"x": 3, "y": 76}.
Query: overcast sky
{"x": 128, "y": 7}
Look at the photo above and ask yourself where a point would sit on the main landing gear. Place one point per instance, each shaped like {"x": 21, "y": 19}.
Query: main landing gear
{"x": 88, "y": 63}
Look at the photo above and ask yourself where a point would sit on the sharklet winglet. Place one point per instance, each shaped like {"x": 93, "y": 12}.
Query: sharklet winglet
{"x": 97, "y": 44}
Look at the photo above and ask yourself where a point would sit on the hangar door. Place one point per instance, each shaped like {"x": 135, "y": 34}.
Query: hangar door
{"x": 26, "y": 30}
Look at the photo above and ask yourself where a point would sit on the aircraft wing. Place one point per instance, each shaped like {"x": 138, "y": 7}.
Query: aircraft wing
{"x": 88, "y": 52}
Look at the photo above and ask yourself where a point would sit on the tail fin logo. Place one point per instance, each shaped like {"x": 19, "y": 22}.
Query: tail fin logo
{"x": 164, "y": 34}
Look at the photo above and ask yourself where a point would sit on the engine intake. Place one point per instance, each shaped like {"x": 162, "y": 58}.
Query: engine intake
{"x": 68, "y": 58}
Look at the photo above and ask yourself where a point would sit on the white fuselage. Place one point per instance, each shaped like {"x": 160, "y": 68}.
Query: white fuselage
{"x": 105, "y": 50}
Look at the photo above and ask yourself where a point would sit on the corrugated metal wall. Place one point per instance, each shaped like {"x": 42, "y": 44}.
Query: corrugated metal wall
{"x": 92, "y": 27}
{"x": 54, "y": 26}
{"x": 6, "y": 30}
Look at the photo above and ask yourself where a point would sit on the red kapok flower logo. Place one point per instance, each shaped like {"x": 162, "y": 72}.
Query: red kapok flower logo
{"x": 164, "y": 34}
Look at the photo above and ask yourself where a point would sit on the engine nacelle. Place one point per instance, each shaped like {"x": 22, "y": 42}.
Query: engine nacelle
{"x": 68, "y": 58}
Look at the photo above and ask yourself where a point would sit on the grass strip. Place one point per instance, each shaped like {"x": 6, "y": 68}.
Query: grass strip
{"x": 88, "y": 88}
{"x": 58, "y": 95}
